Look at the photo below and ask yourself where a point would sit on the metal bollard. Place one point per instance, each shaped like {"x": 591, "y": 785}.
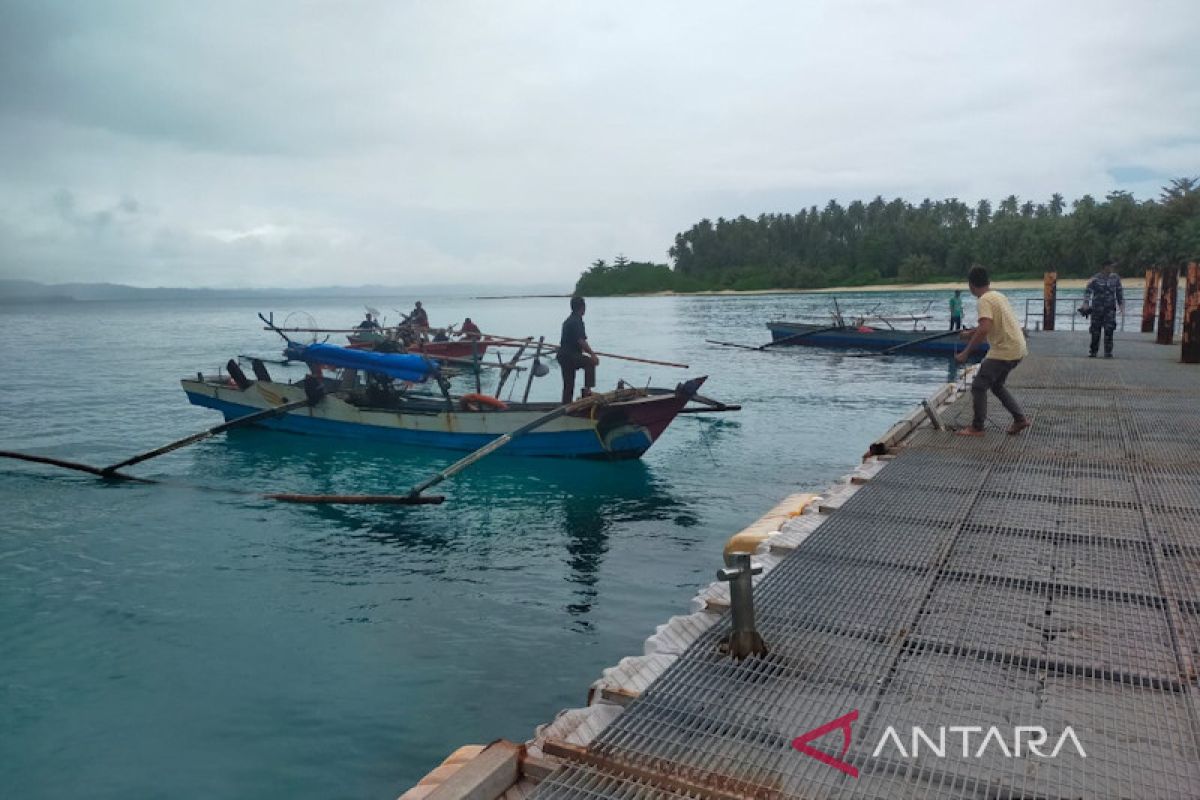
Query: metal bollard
{"x": 744, "y": 639}
{"x": 933, "y": 417}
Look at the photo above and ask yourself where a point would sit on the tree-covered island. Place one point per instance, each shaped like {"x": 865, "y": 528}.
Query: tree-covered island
{"x": 898, "y": 242}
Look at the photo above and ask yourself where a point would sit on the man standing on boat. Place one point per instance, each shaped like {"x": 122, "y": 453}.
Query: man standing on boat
{"x": 418, "y": 318}
{"x": 575, "y": 353}
{"x": 1006, "y": 347}
{"x": 956, "y": 311}
{"x": 1103, "y": 300}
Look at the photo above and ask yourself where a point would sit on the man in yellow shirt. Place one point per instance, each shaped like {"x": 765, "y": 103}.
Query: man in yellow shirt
{"x": 1006, "y": 347}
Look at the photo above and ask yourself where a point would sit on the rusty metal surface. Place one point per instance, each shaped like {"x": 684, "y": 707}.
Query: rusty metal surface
{"x": 1050, "y": 579}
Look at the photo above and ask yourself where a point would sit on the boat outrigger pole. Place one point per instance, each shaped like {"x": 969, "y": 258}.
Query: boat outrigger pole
{"x": 894, "y": 348}
{"x": 313, "y": 395}
{"x": 512, "y": 341}
{"x": 316, "y": 499}
{"x": 249, "y": 419}
{"x": 500, "y": 441}
{"x": 776, "y": 342}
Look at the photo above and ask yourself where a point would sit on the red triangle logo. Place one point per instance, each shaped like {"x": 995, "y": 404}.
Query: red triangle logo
{"x": 841, "y": 723}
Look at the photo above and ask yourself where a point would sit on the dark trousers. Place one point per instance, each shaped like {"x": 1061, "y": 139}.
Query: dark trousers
{"x": 956, "y": 323}
{"x": 1106, "y": 320}
{"x": 991, "y": 376}
{"x": 568, "y": 364}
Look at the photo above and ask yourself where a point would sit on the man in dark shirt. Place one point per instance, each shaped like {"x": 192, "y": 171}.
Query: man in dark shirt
{"x": 418, "y": 318}
{"x": 574, "y": 353}
{"x": 1104, "y": 298}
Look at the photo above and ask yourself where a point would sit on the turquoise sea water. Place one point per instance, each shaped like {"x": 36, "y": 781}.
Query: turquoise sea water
{"x": 171, "y": 641}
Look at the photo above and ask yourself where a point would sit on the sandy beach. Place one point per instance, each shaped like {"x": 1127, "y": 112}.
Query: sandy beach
{"x": 1064, "y": 284}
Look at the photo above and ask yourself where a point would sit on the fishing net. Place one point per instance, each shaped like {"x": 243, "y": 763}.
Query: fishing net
{"x": 302, "y": 327}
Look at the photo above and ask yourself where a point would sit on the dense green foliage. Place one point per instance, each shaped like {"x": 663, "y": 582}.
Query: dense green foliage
{"x": 897, "y": 242}
{"x": 626, "y": 277}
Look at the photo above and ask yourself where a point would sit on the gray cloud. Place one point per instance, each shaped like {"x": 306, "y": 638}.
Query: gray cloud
{"x": 297, "y": 144}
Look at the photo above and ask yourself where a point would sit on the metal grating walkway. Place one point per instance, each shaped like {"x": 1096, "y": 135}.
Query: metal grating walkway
{"x": 1050, "y": 579}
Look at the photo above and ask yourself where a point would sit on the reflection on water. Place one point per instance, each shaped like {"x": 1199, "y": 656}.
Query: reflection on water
{"x": 574, "y": 504}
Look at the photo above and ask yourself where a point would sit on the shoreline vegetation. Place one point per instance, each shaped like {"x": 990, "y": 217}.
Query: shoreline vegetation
{"x": 895, "y": 245}
{"x": 934, "y": 286}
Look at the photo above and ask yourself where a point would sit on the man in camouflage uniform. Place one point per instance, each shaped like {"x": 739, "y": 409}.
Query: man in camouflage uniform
{"x": 1104, "y": 298}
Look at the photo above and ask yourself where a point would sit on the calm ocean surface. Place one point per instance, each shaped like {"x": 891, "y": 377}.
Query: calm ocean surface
{"x": 176, "y": 642}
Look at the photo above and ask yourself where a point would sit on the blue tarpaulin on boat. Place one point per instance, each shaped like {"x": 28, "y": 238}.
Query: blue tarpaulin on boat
{"x": 403, "y": 366}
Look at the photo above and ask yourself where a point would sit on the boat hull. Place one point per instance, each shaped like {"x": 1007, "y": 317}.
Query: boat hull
{"x": 874, "y": 340}
{"x": 619, "y": 430}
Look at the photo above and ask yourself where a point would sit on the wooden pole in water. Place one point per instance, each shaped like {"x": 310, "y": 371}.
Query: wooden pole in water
{"x": 1049, "y": 300}
{"x": 1150, "y": 301}
{"x": 1191, "y": 316}
{"x": 75, "y": 465}
{"x": 360, "y": 499}
{"x": 1166, "y": 305}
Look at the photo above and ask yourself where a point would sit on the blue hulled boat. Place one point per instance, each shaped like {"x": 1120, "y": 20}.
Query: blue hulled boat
{"x": 849, "y": 337}
{"x": 369, "y": 398}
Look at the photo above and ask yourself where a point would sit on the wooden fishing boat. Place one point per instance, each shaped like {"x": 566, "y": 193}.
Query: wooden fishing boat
{"x": 462, "y": 348}
{"x": 459, "y": 349}
{"x": 619, "y": 424}
{"x": 869, "y": 338}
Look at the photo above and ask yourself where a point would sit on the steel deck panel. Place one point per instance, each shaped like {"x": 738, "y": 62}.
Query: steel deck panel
{"x": 1049, "y": 579}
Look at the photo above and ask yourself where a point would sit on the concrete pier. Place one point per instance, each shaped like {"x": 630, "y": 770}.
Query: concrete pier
{"x": 992, "y": 594}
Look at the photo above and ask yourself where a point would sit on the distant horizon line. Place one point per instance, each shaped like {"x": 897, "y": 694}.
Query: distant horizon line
{"x": 542, "y": 285}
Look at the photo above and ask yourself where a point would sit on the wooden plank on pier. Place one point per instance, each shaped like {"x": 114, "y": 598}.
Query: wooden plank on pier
{"x": 657, "y": 779}
{"x": 485, "y": 777}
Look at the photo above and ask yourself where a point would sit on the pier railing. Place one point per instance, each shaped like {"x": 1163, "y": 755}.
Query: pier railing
{"x": 1066, "y": 308}
{"x": 1067, "y": 316}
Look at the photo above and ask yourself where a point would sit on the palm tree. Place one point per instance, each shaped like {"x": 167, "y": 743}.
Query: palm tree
{"x": 1180, "y": 189}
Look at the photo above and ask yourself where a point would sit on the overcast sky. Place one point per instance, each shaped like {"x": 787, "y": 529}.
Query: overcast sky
{"x": 298, "y": 144}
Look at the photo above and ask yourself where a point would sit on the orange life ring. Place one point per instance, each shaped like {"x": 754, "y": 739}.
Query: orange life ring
{"x": 477, "y": 402}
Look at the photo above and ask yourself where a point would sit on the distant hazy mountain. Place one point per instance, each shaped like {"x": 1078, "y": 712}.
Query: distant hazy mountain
{"x": 22, "y": 291}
